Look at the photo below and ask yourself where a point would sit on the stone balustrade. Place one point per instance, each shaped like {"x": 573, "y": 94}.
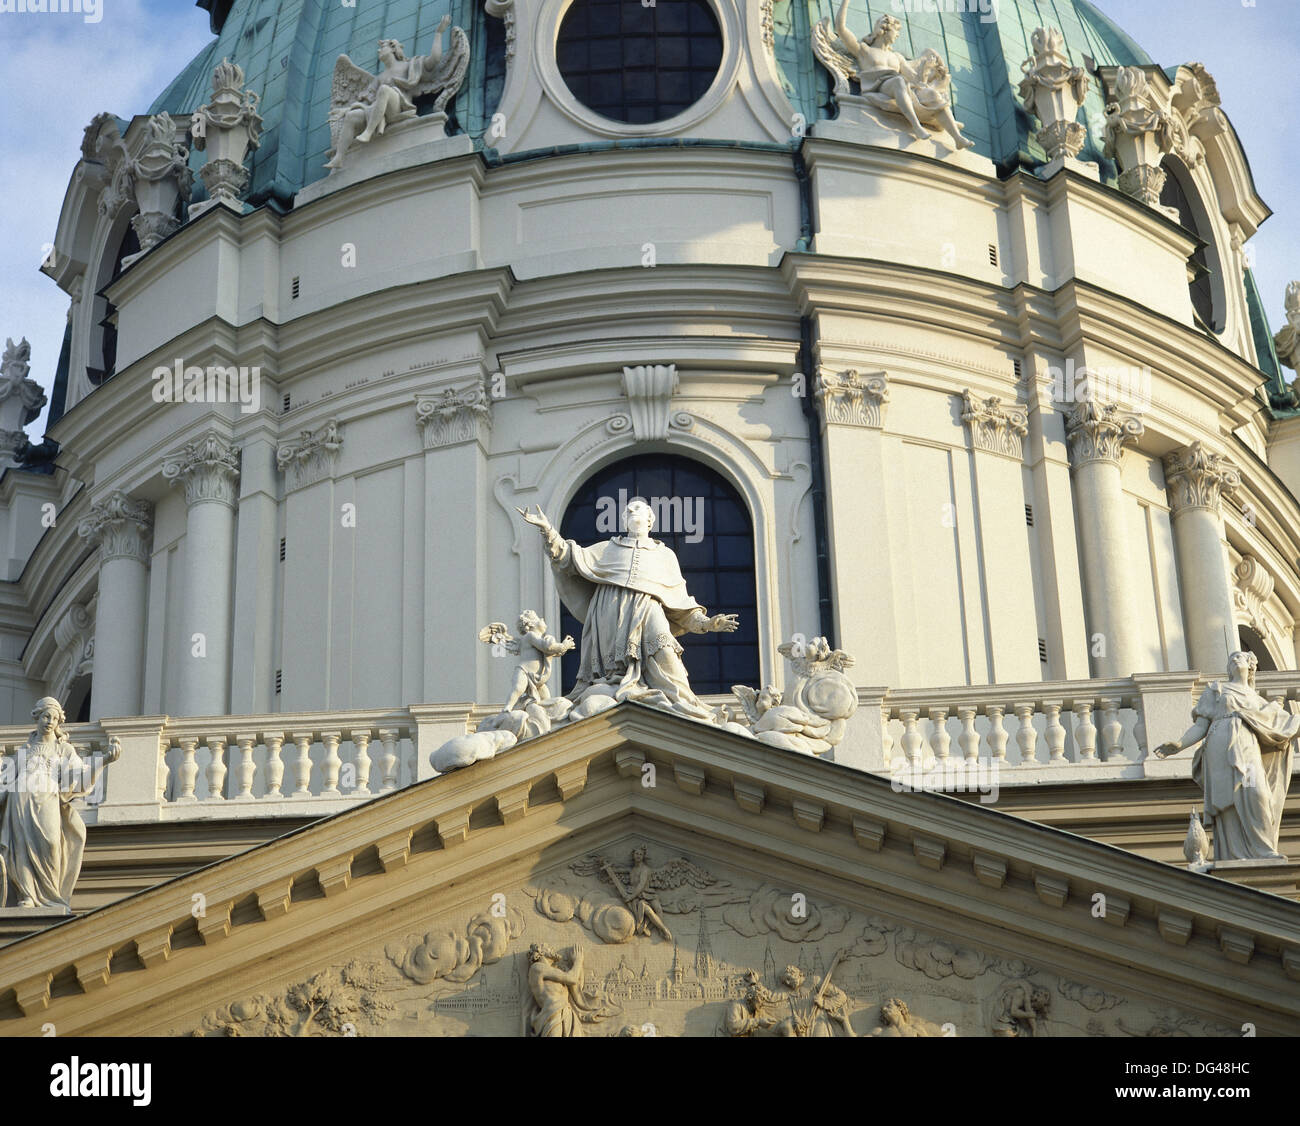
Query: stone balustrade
{"x": 319, "y": 763}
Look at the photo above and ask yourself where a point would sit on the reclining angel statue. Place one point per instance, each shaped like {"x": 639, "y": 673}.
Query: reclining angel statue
{"x": 919, "y": 89}
{"x": 364, "y": 104}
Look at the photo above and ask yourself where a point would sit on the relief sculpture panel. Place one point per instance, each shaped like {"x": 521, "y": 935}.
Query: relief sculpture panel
{"x": 639, "y": 939}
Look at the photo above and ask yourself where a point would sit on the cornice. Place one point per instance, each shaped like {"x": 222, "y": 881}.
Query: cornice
{"x": 1167, "y": 926}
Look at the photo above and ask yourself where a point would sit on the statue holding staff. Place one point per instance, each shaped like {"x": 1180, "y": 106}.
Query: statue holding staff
{"x": 1243, "y": 762}
{"x": 42, "y": 836}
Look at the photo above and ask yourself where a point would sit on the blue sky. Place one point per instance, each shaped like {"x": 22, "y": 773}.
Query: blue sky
{"x": 59, "y": 71}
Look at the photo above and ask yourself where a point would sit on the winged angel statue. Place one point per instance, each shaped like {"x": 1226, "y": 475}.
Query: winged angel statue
{"x": 812, "y": 722}
{"x": 364, "y": 104}
{"x": 919, "y": 89}
{"x": 639, "y": 886}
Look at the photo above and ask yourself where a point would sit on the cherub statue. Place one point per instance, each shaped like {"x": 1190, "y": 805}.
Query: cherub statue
{"x": 781, "y": 725}
{"x": 536, "y": 647}
{"x": 919, "y": 89}
{"x": 810, "y": 718}
{"x": 639, "y": 885}
{"x": 364, "y": 104}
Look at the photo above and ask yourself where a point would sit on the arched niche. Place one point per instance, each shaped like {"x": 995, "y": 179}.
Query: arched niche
{"x": 1205, "y": 267}
{"x": 705, "y": 520}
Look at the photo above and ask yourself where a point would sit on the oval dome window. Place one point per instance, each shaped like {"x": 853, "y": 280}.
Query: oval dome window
{"x": 639, "y": 64}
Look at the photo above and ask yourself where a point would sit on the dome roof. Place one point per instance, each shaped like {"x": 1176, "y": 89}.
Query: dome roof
{"x": 287, "y": 49}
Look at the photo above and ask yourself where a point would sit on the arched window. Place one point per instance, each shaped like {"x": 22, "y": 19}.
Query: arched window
{"x": 1206, "y": 277}
{"x": 104, "y": 332}
{"x": 1251, "y": 642}
{"x": 702, "y": 517}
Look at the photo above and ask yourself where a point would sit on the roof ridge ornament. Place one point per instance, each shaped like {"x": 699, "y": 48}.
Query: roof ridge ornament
{"x": 1054, "y": 91}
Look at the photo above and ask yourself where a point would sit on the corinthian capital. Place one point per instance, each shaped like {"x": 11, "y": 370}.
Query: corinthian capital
{"x": 120, "y": 526}
{"x": 851, "y": 398}
{"x": 208, "y": 467}
{"x": 455, "y": 414}
{"x": 1097, "y": 431}
{"x": 993, "y": 427}
{"x": 1197, "y": 478}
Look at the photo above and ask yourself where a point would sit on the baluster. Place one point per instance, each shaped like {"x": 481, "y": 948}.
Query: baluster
{"x": 1055, "y": 731}
{"x": 188, "y": 769}
{"x": 969, "y": 739}
{"x": 302, "y": 766}
{"x": 217, "y": 768}
{"x": 331, "y": 763}
{"x": 886, "y": 736}
{"x": 941, "y": 740}
{"x": 1026, "y": 736}
{"x": 412, "y": 765}
{"x": 911, "y": 737}
{"x": 997, "y": 736}
{"x": 388, "y": 761}
{"x": 1112, "y": 732}
{"x": 274, "y": 764}
{"x": 1085, "y": 732}
{"x": 247, "y": 768}
{"x": 361, "y": 760}
{"x": 164, "y": 772}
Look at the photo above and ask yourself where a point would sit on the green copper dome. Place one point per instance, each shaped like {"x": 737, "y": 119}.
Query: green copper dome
{"x": 287, "y": 49}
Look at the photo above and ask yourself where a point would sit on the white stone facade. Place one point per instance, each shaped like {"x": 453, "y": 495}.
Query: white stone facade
{"x": 451, "y": 341}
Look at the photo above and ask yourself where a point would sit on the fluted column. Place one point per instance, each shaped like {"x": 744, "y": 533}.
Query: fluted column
{"x": 209, "y": 470}
{"x": 1197, "y": 480}
{"x": 123, "y": 529}
{"x": 1097, "y": 433}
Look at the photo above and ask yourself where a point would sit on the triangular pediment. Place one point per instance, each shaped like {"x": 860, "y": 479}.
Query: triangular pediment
{"x": 417, "y": 913}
